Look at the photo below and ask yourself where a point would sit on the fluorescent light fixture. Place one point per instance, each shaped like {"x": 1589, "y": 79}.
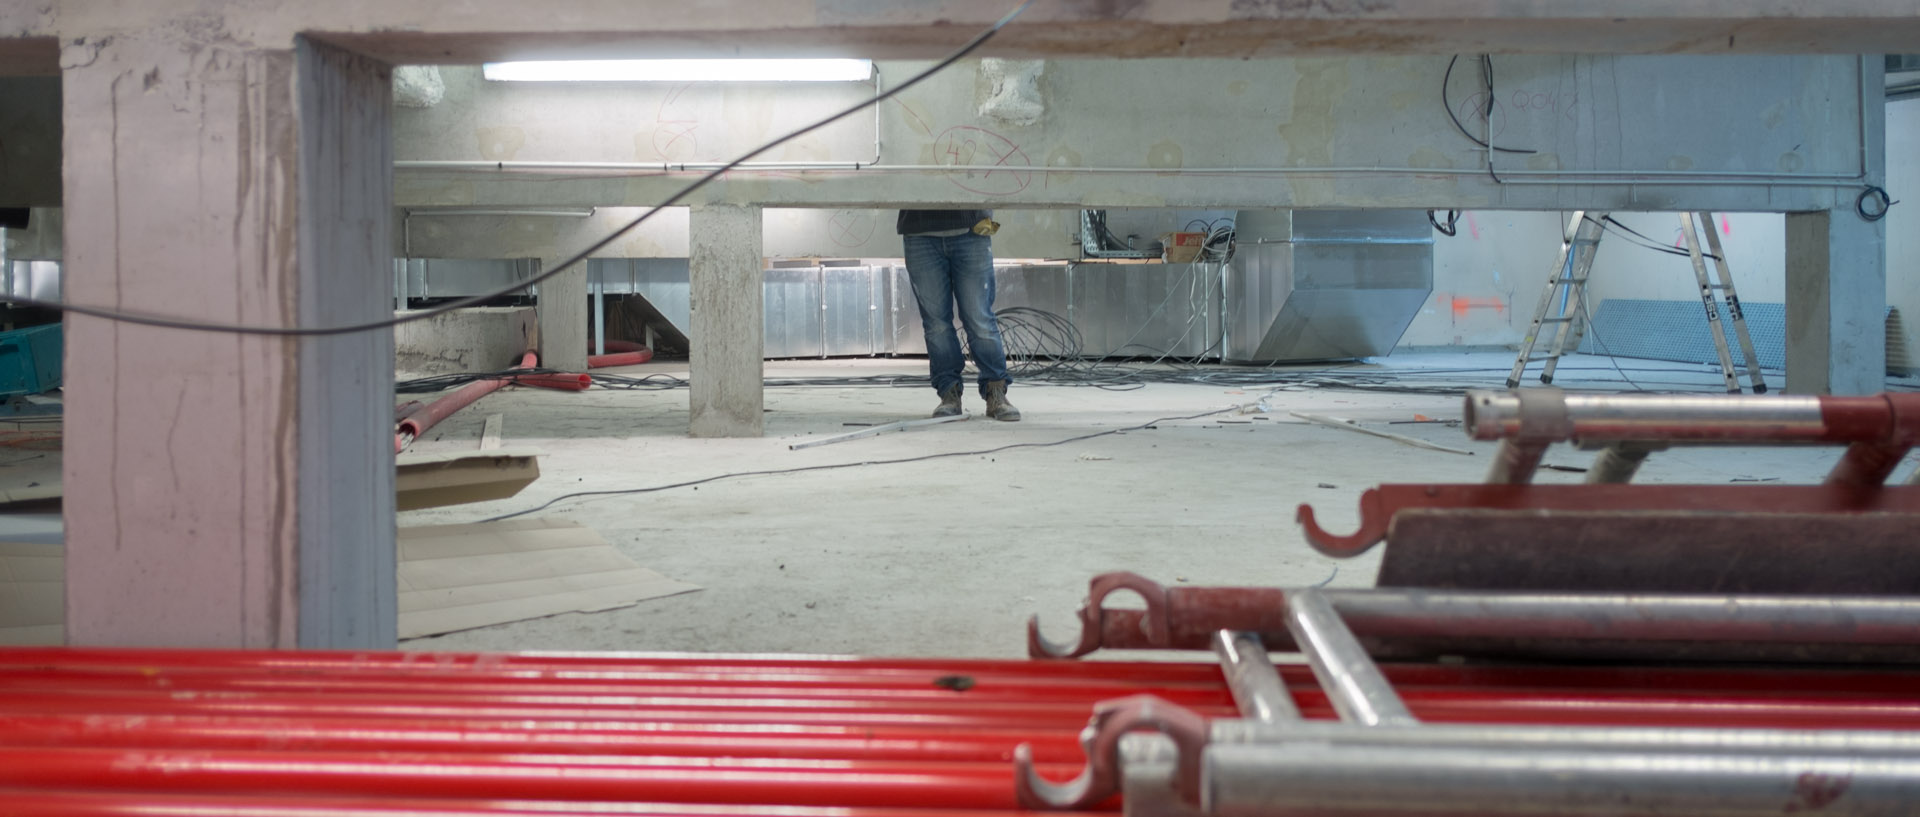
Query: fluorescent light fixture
{"x": 681, "y": 71}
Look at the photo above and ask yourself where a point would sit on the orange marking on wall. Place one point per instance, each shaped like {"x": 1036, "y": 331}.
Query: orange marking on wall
{"x": 1461, "y": 305}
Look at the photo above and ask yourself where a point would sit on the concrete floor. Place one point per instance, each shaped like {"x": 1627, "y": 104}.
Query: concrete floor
{"x": 949, "y": 556}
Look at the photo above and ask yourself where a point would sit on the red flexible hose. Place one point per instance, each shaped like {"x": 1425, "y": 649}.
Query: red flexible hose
{"x": 417, "y": 423}
{"x": 633, "y": 358}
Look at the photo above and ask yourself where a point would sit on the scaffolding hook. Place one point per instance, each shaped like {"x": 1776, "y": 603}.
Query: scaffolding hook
{"x": 1102, "y": 777}
{"x": 1093, "y": 617}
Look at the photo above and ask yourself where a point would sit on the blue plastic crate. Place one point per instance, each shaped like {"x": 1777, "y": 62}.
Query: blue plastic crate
{"x": 30, "y": 360}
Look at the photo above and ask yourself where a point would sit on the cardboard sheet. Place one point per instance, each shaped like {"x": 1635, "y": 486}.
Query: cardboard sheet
{"x": 458, "y": 577}
{"x": 451, "y": 577}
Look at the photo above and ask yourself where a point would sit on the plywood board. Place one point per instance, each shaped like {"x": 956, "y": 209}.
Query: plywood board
{"x": 458, "y": 577}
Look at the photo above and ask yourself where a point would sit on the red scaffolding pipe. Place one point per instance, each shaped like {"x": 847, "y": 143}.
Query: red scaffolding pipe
{"x": 112, "y": 731}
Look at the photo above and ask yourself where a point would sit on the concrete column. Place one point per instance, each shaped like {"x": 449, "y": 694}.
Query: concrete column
{"x": 1837, "y": 272}
{"x": 563, "y": 317}
{"x": 728, "y": 336}
{"x": 1836, "y": 303}
{"x": 227, "y": 491}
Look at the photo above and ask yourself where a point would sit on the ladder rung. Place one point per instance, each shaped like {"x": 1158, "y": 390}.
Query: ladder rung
{"x": 1544, "y": 357}
{"x": 1570, "y": 280}
{"x": 1555, "y": 320}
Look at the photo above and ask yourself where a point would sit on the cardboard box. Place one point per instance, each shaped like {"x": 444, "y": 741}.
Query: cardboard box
{"x": 1182, "y": 248}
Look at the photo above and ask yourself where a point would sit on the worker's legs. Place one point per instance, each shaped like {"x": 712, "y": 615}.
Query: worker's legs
{"x": 929, "y": 270}
{"x": 971, "y": 259}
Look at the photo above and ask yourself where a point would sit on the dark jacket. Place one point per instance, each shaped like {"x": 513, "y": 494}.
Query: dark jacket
{"x": 917, "y": 222}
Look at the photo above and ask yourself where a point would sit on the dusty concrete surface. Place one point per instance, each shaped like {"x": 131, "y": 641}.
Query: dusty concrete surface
{"x": 950, "y": 556}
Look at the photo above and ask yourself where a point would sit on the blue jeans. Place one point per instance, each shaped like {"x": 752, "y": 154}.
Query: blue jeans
{"x": 946, "y": 271}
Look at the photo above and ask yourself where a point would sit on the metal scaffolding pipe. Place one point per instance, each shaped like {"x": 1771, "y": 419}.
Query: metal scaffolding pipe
{"x": 1350, "y": 678}
{"x": 1432, "y": 622}
{"x": 1491, "y": 415}
{"x": 1651, "y": 738}
{"x": 1257, "y": 687}
{"x": 1377, "y": 781}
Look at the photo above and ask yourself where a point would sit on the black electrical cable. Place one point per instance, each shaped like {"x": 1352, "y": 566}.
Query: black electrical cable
{"x": 168, "y": 322}
{"x": 836, "y": 466}
{"x": 1446, "y": 82}
{"x": 1608, "y": 223}
{"x": 1873, "y": 192}
{"x": 1449, "y": 229}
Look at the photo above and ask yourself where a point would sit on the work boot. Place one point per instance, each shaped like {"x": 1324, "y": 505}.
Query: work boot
{"x": 949, "y": 401}
{"x": 997, "y": 406}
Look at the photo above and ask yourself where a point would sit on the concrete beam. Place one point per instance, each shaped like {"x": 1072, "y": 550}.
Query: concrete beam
{"x": 429, "y": 32}
{"x": 728, "y": 333}
{"x": 468, "y": 31}
{"x": 1614, "y": 133}
{"x": 227, "y": 491}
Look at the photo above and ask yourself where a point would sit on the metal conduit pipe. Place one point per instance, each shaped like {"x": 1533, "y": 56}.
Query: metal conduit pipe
{"x": 1675, "y": 178}
{"x": 1322, "y": 780}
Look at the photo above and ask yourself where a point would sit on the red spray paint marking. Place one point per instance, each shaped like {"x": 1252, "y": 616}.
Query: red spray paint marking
{"x": 1473, "y": 226}
{"x": 1726, "y": 226}
{"x": 1461, "y": 305}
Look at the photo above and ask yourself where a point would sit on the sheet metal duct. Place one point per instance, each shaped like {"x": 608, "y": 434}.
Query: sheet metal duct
{"x": 1304, "y": 286}
{"x": 39, "y": 280}
{"x": 1327, "y": 284}
{"x": 459, "y": 277}
{"x": 1125, "y": 310}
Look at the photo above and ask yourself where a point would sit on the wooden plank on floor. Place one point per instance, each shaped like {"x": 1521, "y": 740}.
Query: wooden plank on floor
{"x": 490, "y": 433}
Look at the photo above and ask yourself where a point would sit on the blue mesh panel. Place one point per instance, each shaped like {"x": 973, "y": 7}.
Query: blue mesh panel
{"x": 1677, "y": 331}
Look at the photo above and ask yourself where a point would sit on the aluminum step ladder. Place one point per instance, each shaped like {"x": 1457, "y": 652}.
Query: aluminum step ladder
{"x": 1562, "y": 304}
{"x": 1690, "y": 224}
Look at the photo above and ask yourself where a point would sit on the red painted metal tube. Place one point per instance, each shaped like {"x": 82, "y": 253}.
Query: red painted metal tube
{"x": 417, "y": 423}
{"x": 540, "y": 665}
{"x": 119, "y": 804}
{"x": 1570, "y": 706}
{"x": 559, "y": 382}
{"x": 612, "y": 358}
{"x": 925, "y": 694}
{"x": 321, "y": 733}
{"x": 616, "y": 346}
{"x": 535, "y": 777}
{"x": 452, "y": 674}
